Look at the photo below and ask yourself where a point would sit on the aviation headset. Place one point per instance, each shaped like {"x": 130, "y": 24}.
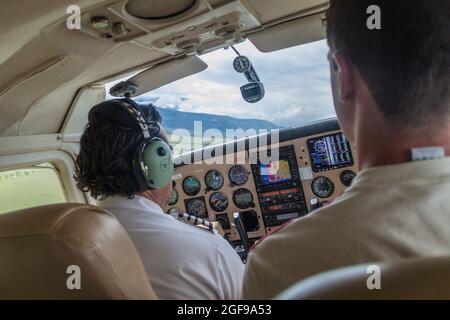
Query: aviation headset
{"x": 152, "y": 159}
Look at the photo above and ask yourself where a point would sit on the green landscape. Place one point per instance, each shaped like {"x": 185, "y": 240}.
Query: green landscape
{"x": 24, "y": 188}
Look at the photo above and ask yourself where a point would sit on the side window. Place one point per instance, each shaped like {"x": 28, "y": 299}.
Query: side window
{"x": 30, "y": 187}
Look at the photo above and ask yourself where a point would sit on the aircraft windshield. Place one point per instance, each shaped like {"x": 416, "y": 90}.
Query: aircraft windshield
{"x": 297, "y": 91}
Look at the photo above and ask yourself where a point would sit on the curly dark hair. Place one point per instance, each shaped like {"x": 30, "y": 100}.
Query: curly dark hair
{"x": 104, "y": 164}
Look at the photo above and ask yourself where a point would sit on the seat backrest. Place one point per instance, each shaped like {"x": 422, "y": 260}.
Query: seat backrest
{"x": 422, "y": 278}
{"x": 38, "y": 246}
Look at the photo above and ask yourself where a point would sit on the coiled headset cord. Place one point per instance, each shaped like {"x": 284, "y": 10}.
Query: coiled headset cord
{"x": 193, "y": 220}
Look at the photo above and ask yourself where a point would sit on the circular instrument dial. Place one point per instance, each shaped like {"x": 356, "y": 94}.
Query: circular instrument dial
{"x": 218, "y": 201}
{"x": 238, "y": 175}
{"x": 214, "y": 180}
{"x": 191, "y": 186}
{"x": 243, "y": 199}
{"x": 197, "y": 207}
{"x": 173, "y": 198}
{"x": 347, "y": 177}
{"x": 241, "y": 64}
{"x": 322, "y": 187}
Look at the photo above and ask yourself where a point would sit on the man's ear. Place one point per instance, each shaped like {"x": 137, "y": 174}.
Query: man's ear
{"x": 344, "y": 70}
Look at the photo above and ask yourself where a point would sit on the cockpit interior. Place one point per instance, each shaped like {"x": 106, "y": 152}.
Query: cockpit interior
{"x": 227, "y": 64}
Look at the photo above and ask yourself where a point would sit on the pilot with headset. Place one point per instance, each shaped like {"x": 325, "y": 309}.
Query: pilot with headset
{"x": 126, "y": 163}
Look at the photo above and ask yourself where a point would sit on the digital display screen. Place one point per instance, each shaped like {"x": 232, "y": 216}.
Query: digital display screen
{"x": 275, "y": 172}
{"x": 329, "y": 152}
{"x": 243, "y": 198}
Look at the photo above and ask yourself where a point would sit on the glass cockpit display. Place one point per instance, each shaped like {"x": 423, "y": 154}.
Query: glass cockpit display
{"x": 329, "y": 152}
{"x": 279, "y": 187}
{"x": 275, "y": 172}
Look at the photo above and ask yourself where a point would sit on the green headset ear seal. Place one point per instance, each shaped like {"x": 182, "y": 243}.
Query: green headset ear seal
{"x": 156, "y": 164}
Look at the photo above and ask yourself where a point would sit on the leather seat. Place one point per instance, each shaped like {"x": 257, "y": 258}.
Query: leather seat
{"x": 423, "y": 278}
{"x": 38, "y": 245}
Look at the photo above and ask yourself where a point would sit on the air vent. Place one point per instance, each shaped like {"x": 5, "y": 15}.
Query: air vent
{"x": 158, "y": 9}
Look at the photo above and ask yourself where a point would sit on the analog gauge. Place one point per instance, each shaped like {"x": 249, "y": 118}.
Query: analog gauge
{"x": 214, "y": 180}
{"x": 218, "y": 202}
{"x": 191, "y": 186}
{"x": 347, "y": 177}
{"x": 243, "y": 199}
{"x": 173, "y": 199}
{"x": 197, "y": 207}
{"x": 238, "y": 175}
{"x": 174, "y": 212}
{"x": 241, "y": 64}
{"x": 322, "y": 187}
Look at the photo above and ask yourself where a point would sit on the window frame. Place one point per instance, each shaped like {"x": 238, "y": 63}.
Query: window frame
{"x": 38, "y": 167}
{"x": 63, "y": 165}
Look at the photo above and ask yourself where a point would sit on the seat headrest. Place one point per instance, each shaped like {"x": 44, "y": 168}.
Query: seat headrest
{"x": 420, "y": 278}
{"x": 38, "y": 245}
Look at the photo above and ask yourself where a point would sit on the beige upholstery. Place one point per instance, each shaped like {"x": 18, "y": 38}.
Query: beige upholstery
{"x": 424, "y": 278}
{"x": 37, "y": 245}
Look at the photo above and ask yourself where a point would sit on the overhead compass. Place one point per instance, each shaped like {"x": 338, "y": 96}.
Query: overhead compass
{"x": 241, "y": 64}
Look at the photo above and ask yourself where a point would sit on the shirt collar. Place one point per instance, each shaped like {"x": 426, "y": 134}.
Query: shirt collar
{"x": 408, "y": 172}
{"x": 137, "y": 203}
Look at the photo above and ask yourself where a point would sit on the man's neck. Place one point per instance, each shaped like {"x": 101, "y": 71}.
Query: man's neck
{"x": 150, "y": 196}
{"x": 388, "y": 147}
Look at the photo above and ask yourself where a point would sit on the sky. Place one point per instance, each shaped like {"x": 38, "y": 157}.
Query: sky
{"x": 296, "y": 82}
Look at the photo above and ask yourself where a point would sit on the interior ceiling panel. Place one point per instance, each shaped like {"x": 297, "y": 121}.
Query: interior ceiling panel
{"x": 123, "y": 58}
{"x": 290, "y": 34}
{"x": 33, "y": 124}
{"x": 78, "y": 59}
{"x": 77, "y": 54}
{"x": 155, "y": 9}
{"x": 43, "y": 64}
{"x": 21, "y": 21}
{"x": 270, "y": 10}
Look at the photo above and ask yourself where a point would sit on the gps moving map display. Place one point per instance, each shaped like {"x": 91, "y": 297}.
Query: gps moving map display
{"x": 275, "y": 172}
{"x": 279, "y": 188}
{"x": 329, "y": 152}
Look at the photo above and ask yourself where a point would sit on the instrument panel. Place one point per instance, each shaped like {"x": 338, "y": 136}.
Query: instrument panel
{"x": 310, "y": 171}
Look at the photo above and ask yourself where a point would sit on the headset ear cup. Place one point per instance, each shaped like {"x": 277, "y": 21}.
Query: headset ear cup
{"x": 155, "y": 163}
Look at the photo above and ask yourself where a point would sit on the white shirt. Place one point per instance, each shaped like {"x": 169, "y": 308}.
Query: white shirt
{"x": 182, "y": 261}
{"x": 389, "y": 213}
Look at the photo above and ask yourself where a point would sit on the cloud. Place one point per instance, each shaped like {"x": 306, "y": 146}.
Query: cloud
{"x": 296, "y": 81}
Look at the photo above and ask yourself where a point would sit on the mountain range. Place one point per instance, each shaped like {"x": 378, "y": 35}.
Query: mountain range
{"x": 173, "y": 119}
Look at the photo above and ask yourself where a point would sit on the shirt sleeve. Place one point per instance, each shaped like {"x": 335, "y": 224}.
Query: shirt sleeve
{"x": 230, "y": 271}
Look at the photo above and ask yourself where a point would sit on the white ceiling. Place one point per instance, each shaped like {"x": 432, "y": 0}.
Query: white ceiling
{"x": 43, "y": 63}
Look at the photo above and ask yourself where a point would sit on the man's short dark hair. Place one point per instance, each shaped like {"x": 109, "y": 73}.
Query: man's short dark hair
{"x": 406, "y": 64}
{"x": 104, "y": 164}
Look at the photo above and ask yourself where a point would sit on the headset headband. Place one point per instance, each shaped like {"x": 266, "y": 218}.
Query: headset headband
{"x": 149, "y": 128}
{"x": 133, "y": 109}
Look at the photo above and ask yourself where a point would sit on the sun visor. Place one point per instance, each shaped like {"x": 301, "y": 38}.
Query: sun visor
{"x": 161, "y": 75}
{"x": 290, "y": 34}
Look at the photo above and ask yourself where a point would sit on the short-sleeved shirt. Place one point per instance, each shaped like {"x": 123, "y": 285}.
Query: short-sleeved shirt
{"x": 389, "y": 213}
{"x": 182, "y": 261}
